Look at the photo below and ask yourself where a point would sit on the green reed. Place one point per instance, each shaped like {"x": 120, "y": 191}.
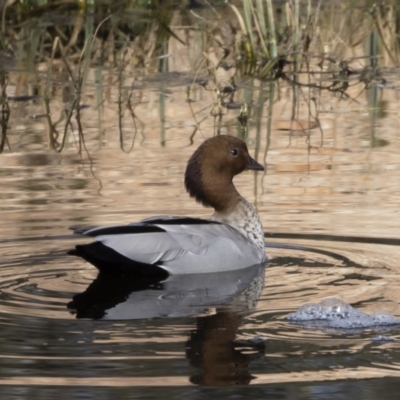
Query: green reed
{"x": 307, "y": 44}
{"x": 298, "y": 31}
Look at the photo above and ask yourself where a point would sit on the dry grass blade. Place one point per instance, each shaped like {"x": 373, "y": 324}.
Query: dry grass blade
{"x": 248, "y": 48}
{"x": 259, "y": 21}
{"x": 248, "y": 11}
{"x": 240, "y": 19}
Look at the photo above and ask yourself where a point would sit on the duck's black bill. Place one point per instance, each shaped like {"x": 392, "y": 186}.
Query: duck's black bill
{"x": 254, "y": 165}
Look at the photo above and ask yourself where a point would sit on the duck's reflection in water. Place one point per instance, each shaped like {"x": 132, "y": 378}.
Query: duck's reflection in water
{"x": 211, "y": 347}
{"x": 213, "y": 350}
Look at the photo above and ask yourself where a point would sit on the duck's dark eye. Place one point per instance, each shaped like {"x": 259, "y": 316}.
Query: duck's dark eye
{"x": 234, "y": 152}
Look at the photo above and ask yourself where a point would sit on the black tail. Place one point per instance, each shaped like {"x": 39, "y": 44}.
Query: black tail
{"x": 109, "y": 261}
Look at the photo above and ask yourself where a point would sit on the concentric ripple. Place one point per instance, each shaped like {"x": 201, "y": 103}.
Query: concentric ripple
{"x": 41, "y": 281}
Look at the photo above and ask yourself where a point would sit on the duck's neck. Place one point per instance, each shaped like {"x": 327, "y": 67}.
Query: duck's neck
{"x": 222, "y": 196}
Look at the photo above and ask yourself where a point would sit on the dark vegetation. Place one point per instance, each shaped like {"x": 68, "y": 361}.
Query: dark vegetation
{"x": 313, "y": 46}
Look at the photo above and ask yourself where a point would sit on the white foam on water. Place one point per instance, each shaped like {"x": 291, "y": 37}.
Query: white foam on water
{"x": 382, "y": 339}
{"x": 341, "y": 315}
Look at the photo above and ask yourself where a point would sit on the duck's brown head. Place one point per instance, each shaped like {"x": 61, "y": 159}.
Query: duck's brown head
{"x": 210, "y": 171}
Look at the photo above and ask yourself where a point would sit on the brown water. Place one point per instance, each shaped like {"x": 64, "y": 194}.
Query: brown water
{"x": 332, "y": 190}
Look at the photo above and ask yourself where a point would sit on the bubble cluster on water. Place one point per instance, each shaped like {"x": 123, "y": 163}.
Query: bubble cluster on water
{"x": 382, "y": 339}
{"x": 338, "y": 314}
